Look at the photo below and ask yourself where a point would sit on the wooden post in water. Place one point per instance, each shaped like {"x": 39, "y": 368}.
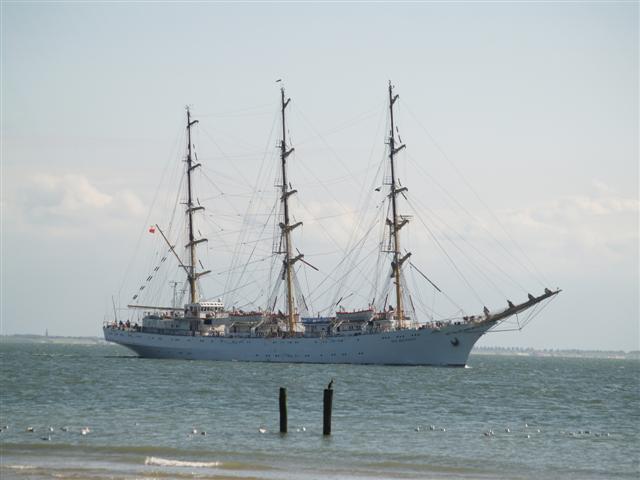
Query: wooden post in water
{"x": 327, "y": 401}
{"x": 283, "y": 410}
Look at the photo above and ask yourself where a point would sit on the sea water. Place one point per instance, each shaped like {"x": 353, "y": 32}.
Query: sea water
{"x": 501, "y": 417}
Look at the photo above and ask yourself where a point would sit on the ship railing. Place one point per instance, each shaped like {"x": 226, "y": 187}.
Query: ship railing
{"x": 171, "y": 331}
{"x": 123, "y": 326}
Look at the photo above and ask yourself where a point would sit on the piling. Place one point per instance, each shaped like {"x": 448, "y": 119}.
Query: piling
{"x": 327, "y": 406}
{"x": 283, "y": 410}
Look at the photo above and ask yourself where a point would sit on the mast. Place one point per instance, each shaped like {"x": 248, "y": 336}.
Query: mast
{"x": 397, "y": 222}
{"x": 193, "y": 242}
{"x": 286, "y": 226}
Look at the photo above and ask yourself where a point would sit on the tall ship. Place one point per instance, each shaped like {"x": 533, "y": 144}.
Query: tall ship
{"x": 386, "y": 330}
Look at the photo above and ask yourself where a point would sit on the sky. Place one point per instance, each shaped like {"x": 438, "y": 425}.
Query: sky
{"x": 520, "y": 119}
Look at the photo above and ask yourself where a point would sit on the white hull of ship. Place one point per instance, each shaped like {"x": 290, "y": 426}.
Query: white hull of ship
{"x": 448, "y": 346}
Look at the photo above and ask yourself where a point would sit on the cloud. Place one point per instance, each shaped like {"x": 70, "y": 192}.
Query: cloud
{"x": 600, "y": 224}
{"x": 132, "y": 203}
{"x": 67, "y": 194}
{"x": 68, "y": 203}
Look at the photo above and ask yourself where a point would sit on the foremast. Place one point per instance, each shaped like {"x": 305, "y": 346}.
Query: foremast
{"x": 397, "y": 221}
{"x": 192, "y": 275}
{"x": 286, "y": 227}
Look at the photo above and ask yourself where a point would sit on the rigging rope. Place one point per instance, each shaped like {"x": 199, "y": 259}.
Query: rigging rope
{"x": 509, "y": 277}
{"x": 535, "y": 273}
{"x": 143, "y": 230}
{"x": 469, "y": 259}
{"x": 453, "y": 264}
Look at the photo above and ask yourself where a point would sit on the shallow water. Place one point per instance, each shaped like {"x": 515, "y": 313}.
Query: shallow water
{"x": 141, "y": 414}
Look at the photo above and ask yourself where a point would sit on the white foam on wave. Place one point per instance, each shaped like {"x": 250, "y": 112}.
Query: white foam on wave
{"x": 168, "y": 462}
{"x": 21, "y": 467}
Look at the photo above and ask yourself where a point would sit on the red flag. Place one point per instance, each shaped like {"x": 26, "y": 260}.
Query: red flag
{"x": 152, "y": 229}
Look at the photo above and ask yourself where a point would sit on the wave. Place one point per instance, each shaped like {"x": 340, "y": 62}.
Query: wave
{"x": 167, "y": 462}
{"x": 21, "y": 467}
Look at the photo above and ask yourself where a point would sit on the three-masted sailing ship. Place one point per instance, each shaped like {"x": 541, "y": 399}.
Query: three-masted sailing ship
{"x": 206, "y": 330}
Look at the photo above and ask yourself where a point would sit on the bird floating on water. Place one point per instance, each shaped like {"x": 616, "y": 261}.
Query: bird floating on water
{"x": 262, "y": 430}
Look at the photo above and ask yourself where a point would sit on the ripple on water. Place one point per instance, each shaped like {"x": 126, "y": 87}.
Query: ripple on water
{"x": 139, "y": 409}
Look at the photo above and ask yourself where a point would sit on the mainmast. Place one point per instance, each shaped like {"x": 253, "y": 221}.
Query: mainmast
{"x": 191, "y": 273}
{"x": 286, "y": 226}
{"x": 397, "y": 222}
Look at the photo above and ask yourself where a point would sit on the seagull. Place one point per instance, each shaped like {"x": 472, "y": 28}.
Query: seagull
{"x": 203, "y": 433}
{"x": 443, "y": 429}
{"x": 85, "y": 431}
{"x": 46, "y": 439}
{"x": 51, "y": 429}
{"x": 507, "y": 430}
{"x": 30, "y": 429}
{"x": 64, "y": 429}
{"x": 262, "y": 430}
{"x": 194, "y": 431}
{"x": 417, "y": 428}
{"x": 432, "y": 427}
{"x": 528, "y": 436}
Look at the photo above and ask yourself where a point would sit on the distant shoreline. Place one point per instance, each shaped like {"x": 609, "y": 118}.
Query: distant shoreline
{"x": 503, "y": 351}
{"x": 559, "y": 353}
{"x": 30, "y": 338}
